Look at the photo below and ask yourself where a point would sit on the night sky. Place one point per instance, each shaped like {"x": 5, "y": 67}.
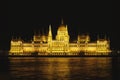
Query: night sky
{"x": 22, "y": 18}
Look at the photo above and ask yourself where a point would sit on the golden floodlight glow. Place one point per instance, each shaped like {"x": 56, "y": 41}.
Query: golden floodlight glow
{"x": 46, "y": 45}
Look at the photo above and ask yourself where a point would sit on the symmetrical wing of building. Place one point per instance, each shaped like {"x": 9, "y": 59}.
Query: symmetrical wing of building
{"x": 61, "y": 45}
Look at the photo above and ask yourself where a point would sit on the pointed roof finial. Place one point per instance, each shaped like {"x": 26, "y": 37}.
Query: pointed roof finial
{"x": 19, "y": 38}
{"x": 50, "y": 32}
{"x": 50, "y": 27}
{"x": 105, "y": 37}
{"x": 62, "y": 21}
{"x": 66, "y": 27}
{"x": 43, "y": 31}
{"x": 98, "y": 37}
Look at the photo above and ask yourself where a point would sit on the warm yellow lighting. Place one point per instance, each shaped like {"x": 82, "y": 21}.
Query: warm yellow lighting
{"x": 45, "y": 45}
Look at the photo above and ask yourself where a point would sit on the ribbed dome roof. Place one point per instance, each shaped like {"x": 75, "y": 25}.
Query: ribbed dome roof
{"x": 62, "y": 28}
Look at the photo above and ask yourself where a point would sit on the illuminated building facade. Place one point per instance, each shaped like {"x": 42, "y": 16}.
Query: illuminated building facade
{"x": 46, "y": 45}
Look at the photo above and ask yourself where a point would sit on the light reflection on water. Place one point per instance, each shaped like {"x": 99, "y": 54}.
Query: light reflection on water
{"x": 60, "y": 68}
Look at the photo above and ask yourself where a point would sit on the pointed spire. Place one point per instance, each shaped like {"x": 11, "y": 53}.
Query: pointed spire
{"x": 66, "y": 27}
{"x": 105, "y": 37}
{"x": 50, "y": 32}
{"x": 42, "y": 31}
{"x": 19, "y": 38}
{"x": 50, "y": 27}
{"x": 62, "y": 21}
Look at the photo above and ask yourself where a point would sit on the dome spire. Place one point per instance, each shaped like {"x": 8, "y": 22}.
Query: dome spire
{"x": 50, "y": 32}
{"x": 62, "y": 21}
{"x": 66, "y": 27}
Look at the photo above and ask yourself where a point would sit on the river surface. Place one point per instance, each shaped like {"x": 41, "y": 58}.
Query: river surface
{"x": 60, "y": 68}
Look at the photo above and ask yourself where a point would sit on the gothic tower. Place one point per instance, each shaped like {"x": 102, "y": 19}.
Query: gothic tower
{"x": 50, "y": 39}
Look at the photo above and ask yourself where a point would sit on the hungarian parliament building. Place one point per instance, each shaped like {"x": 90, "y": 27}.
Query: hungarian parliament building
{"x": 61, "y": 45}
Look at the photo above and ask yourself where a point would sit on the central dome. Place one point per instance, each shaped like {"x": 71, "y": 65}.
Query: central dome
{"x": 62, "y": 28}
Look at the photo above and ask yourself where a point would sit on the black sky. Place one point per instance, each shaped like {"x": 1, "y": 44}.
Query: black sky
{"x": 22, "y": 18}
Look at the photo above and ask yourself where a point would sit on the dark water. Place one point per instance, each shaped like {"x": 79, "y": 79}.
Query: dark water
{"x": 60, "y": 68}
